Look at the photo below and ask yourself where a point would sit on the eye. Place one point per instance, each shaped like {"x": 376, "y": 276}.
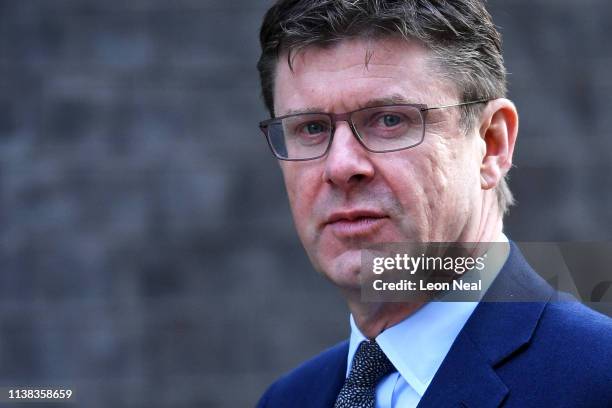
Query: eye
{"x": 310, "y": 131}
{"x": 390, "y": 120}
{"x": 314, "y": 128}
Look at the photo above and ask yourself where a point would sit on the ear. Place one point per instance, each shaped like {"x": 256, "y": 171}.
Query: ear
{"x": 498, "y": 130}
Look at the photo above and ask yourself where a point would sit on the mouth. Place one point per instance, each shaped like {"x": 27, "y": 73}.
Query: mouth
{"x": 355, "y": 223}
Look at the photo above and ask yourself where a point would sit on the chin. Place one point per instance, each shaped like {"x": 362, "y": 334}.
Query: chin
{"x": 344, "y": 271}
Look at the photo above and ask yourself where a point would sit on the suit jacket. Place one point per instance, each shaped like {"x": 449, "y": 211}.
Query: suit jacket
{"x": 511, "y": 354}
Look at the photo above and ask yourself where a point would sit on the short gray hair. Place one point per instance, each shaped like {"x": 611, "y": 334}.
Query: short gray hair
{"x": 459, "y": 33}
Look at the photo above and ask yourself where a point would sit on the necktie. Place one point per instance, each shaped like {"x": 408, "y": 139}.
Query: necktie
{"x": 370, "y": 365}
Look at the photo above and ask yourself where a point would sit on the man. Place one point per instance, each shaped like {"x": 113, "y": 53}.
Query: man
{"x": 390, "y": 125}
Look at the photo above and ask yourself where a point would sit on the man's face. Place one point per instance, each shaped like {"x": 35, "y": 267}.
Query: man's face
{"x": 352, "y": 198}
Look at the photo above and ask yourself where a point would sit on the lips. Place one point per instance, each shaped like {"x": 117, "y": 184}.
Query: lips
{"x": 353, "y": 223}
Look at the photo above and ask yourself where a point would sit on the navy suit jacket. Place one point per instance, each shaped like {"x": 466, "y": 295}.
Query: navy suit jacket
{"x": 511, "y": 354}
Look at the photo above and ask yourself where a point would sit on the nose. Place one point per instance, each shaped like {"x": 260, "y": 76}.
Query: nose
{"x": 347, "y": 163}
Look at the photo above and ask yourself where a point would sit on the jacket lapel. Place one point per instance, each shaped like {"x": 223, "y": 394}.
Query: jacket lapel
{"x": 464, "y": 379}
{"x": 328, "y": 382}
{"x": 492, "y": 335}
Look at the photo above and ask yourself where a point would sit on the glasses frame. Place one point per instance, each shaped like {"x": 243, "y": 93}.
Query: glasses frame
{"x": 348, "y": 117}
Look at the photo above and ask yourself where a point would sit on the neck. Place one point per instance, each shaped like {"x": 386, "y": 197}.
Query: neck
{"x": 373, "y": 318}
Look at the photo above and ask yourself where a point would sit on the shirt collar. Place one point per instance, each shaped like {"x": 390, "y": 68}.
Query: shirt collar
{"x": 417, "y": 345}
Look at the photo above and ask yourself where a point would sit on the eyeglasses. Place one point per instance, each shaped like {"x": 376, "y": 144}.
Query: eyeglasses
{"x": 380, "y": 129}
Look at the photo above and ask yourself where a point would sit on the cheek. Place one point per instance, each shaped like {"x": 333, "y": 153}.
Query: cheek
{"x": 301, "y": 184}
{"x": 422, "y": 182}
{"x": 431, "y": 192}
{"x": 436, "y": 180}
{"x": 419, "y": 179}
{"x": 451, "y": 183}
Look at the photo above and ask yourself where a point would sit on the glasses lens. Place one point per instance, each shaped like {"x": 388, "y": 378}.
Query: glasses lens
{"x": 389, "y": 127}
{"x": 300, "y": 137}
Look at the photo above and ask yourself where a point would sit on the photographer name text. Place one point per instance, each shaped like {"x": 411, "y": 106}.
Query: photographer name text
{"x": 421, "y": 285}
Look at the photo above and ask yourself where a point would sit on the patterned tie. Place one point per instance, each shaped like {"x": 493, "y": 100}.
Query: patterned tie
{"x": 370, "y": 365}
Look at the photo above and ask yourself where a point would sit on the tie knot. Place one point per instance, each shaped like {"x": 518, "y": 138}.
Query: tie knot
{"x": 370, "y": 364}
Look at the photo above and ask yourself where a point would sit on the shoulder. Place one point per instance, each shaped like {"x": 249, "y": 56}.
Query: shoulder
{"x": 572, "y": 344}
{"x": 573, "y": 325}
{"x": 323, "y": 370}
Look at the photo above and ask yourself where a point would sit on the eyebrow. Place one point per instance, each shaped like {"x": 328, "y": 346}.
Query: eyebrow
{"x": 300, "y": 111}
{"x": 394, "y": 99}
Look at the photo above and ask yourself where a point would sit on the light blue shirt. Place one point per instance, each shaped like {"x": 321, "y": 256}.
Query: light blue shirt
{"x": 418, "y": 345}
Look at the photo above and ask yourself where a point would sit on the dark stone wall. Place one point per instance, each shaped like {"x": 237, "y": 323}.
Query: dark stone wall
{"x": 147, "y": 254}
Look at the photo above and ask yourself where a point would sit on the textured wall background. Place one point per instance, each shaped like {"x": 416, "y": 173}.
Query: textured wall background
{"x": 147, "y": 255}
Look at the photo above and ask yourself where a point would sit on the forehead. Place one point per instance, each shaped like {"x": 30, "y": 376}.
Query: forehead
{"x": 346, "y": 75}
